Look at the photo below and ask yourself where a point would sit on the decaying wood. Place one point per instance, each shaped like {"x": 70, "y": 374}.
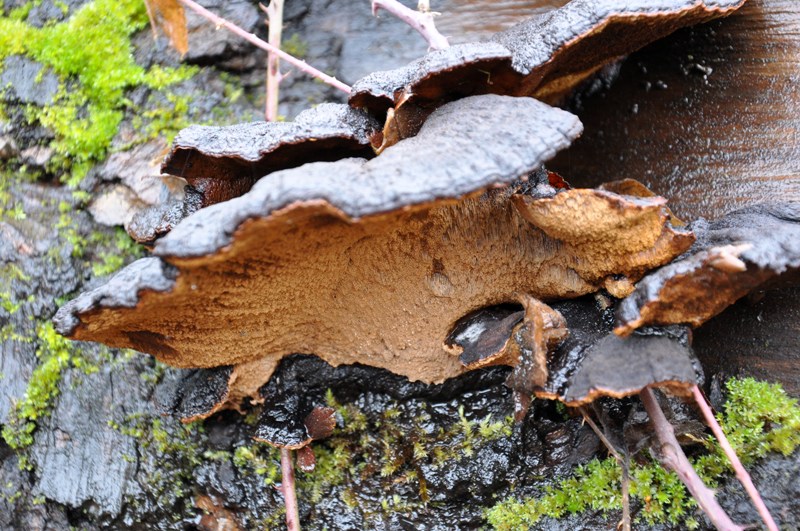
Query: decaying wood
{"x": 707, "y": 117}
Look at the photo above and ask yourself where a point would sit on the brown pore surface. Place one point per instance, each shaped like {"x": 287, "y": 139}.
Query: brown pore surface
{"x": 605, "y": 228}
{"x": 385, "y": 291}
{"x": 757, "y": 247}
{"x": 709, "y": 117}
{"x": 706, "y": 286}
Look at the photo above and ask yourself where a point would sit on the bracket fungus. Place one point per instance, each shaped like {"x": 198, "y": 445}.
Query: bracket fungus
{"x": 706, "y": 117}
{"x": 451, "y": 251}
{"x": 374, "y": 262}
{"x": 545, "y": 57}
{"x": 220, "y": 163}
{"x": 567, "y": 351}
{"x": 741, "y": 252}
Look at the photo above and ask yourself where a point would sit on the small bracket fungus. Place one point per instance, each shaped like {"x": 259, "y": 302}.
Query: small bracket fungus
{"x": 739, "y": 253}
{"x": 568, "y": 352}
{"x": 220, "y": 163}
{"x": 545, "y": 57}
{"x": 201, "y": 393}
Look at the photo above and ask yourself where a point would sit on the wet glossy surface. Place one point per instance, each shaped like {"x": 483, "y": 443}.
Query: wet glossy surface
{"x": 471, "y": 20}
{"x": 709, "y": 117}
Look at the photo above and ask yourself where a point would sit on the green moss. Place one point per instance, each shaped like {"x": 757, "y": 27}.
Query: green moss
{"x": 119, "y": 248}
{"x": 10, "y": 208}
{"x": 295, "y": 46}
{"x": 391, "y": 450}
{"x": 759, "y": 418}
{"x": 92, "y": 55}
{"x": 260, "y": 460}
{"x": 54, "y": 353}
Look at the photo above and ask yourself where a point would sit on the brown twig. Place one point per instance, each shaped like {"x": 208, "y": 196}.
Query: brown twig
{"x": 623, "y": 464}
{"x": 741, "y": 472}
{"x": 251, "y": 38}
{"x": 422, "y": 21}
{"x": 289, "y": 494}
{"x": 275, "y": 22}
{"x": 671, "y": 456}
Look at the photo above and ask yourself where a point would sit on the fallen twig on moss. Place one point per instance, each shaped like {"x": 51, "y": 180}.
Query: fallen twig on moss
{"x": 623, "y": 462}
{"x": 672, "y": 457}
{"x": 738, "y": 468}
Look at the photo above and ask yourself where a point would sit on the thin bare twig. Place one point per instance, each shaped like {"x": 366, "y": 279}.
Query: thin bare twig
{"x": 422, "y": 20}
{"x": 275, "y": 21}
{"x": 671, "y": 456}
{"x": 251, "y": 38}
{"x": 623, "y": 464}
{"x": 289, "y": 494}
{"x": 741, "y": 472}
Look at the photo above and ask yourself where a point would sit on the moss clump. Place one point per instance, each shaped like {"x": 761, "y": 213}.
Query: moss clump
{"x": 91, "y": 53}
{"x": 759, "y": 418}
{"x": 54, "y": 353}
{"x": 260, "y": 460}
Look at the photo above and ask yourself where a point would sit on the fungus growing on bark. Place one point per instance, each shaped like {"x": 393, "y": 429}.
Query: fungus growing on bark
{"x": 739, "y": 253}
{"x": 369, "y": 262}
{"x": 585, "y": 359}
{"x": 545, "y": 57}
{"x": 220, "y": 163}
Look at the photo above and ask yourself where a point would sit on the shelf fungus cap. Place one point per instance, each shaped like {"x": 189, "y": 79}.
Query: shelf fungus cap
{"x": 743, "y": 251}
{"x": 369, "y": 262}
{"x": 354, "y": 261}
{"x": 567, "y": 351}
{"x": 593, "y": 362}
{"x": 618, "y": 367}
{"x": 545, "y": 57}
{"x": 220, "y": 163}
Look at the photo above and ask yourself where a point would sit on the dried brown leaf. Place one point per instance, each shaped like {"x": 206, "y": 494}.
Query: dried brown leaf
{"x": 169, "y": 17}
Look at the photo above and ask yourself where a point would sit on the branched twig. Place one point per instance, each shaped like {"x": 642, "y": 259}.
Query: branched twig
{"x": 671, "y": 456}
{"x": 289, "y": 494}
{"x": 741, "y": 473}
{"x": 623, "y": 464}
{"x": 422, "y": 21}
{"x": 251, "y": 38}
{"x": 275, "y": 22}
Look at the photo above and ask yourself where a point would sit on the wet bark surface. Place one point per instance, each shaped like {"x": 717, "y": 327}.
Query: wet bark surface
{"x": 105, "y": 457}
{"x": 708, "y": 117}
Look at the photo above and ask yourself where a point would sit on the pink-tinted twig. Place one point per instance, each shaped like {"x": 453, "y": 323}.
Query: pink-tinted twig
{"x": 741, "y": 473}
{"x": 251, "y": 38}
{"x": 289, "y": 494}
{"x": 275, "y": 22}
{"x": 420, "y": 21}
{"x": 671, "y": 456}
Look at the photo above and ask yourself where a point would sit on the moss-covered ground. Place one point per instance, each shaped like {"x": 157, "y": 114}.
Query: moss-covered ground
{"x": 758, "y": 418}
